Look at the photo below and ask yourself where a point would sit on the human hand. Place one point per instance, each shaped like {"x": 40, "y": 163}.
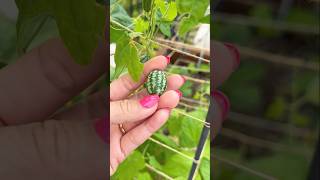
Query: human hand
{"x": 141, "y": 114}
{"x": 226, "y": 60}
{"x": 40, "y": 142}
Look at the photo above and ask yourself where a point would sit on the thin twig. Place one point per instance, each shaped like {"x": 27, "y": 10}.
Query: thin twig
{"x": 158, "y": 172}
{"x": 192, "y": 107}
{"x": 193, "y": 79}
{"x": 278, "y": 59}
{"x": 192, "y": 117}
{"x": 160, "y": 44}
{"x": 185, "y": 46}
{"x": 172, "y": 149}
{"x": 190, "y": 68}
{"x": 195, "y": 101}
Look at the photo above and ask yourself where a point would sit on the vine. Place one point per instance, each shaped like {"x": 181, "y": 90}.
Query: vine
{"x": 157, "y": 16}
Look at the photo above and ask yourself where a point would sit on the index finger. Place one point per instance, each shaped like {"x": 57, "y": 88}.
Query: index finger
{"x": 124, "y": 85}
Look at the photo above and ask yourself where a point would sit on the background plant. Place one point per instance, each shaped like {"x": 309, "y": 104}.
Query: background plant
{"x": 135, "y": 28}
{"x": 274, "y": 121}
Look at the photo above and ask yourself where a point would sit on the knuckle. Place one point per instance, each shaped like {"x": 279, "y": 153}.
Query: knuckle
{"x": 127, "y": 83}
{"x": 124, "y": 106}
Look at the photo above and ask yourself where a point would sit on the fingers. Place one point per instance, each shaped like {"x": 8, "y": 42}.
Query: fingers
{"x": 227, "y": 59}
{"x": 130, "y": 110}
{"x": 169, "y": 100}
{"x": 43, "y": 80}
{"x": 63, "y": 149}
{"x": 95, "y": 106}
{"x": 221, "y": 108}
{"x": 142, "y": 132}
{"x": 123, "y": 86}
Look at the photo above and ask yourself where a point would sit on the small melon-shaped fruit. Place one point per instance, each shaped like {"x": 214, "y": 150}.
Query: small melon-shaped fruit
{"x": 156, "y": 82}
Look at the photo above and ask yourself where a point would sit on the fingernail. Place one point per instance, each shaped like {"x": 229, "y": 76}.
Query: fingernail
{"x": 149, "y": 101}
{"x": 235, "y": 52}
{"x": 102, "y": 129}
{"x": 223, "y": 102}
{"x": 168, "y": 59}
{"x": 179, "y": 93}
{"x": 184, "y": 79}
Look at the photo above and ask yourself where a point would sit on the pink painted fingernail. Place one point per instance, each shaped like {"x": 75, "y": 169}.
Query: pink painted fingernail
{"x": 223, "y": 102}
{"x": 235, "y": 52}
{"x": 102, "y": 129}
{"x": 179, "y": 93}
{"x": 149, "y": 101}
{"x": 168, "y": 59}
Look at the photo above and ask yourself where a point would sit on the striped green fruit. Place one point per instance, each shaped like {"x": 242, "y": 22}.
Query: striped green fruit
{"x": 156, "y": 82}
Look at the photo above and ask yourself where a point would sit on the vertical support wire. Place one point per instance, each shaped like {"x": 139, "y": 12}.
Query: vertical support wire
{"x": 204, "y": 135}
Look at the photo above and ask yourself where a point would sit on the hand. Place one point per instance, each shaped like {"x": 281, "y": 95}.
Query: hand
{"x": 140, "y": 115}
{"x": 226, "y": 60}
{"x": 40, "y": 142}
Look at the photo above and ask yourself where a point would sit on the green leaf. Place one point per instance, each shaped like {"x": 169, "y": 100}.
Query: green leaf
{"x": 174, "y": 123}
{"x": 205, "y": 19}
{"x": 165, "y": 29}
{"x": 176, "y": 166}
{"x": 168, "y": 10}
{"x": 191, "y": 130}
{"x": 81, "y": 24}
{"x": 31, "y": 17}
{"x": 144, "y": 176}
{"x": 140, "y": 25}
{"x": 165, "y": 139}
{"x": 205, "y": 169}
{"x": 186, "y": 88}
{"x": 7, "y": 39}
{"x": 126, "y": 171}
{"x": 127, "y": 56}
{"x": 154, "y": 163}
{"x": 116, "y": 34}
{"x": 119, "y": 14}
{"x": 122, "y": 41}
{"x": 195, "y": 9}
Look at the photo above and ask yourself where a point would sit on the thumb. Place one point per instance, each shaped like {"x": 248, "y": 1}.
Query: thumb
{"x": 130, "y": 110}
{"x": 53, "y": 150}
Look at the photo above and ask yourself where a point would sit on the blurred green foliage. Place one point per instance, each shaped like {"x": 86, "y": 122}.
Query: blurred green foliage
{"x": 271, "y": 93}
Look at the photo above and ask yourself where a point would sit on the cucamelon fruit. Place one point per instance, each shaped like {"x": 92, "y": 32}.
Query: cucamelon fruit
{"x": 156, "y": 82}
